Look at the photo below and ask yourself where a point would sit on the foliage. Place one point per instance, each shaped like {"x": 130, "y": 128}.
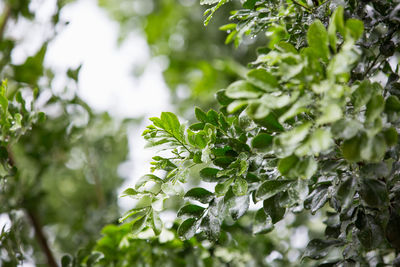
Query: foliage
{"x": 308, "y": 133}
{"x": 311, "y": 128}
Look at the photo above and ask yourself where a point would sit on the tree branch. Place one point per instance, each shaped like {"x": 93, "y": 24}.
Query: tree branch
{"x": 41, "y": 238}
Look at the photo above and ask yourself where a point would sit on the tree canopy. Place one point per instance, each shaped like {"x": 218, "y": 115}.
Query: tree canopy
{"x": 295, "y": 162}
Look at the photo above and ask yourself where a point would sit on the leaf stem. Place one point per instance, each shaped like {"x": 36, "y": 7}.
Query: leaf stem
{"x": 372, "y": 64}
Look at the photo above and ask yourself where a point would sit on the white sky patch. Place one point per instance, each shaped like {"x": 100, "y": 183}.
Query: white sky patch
{"x": 106, "y": 79}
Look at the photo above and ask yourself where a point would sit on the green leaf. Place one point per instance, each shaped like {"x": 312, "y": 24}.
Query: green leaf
{"x": 249, "y": 4}
{"x": 362, "y": 94}
{"x": 298, "y": 107}
{"x": 263, "y": 79}
{"x": 321, "y": 140}
{"x": 272, "y": 208}
{"x": 191, "y": 211}
{"x": 200, "y": 194}
{"x": 188, "y": 228}
{"x": 262, "y": 223}
{"x": 258, "y": 110}
{"x": 133, "y": 214}
{"x": 146, "y": 178}
{"x": 262, "y": 141}
{"x": 237, "y": 205}
{"x": 211, "y": 223}
{"x": 66, "y": 261}
{"x": 209, "y": 174}
{"x": 240, "y": 186}
{"x": 345, "y": 192}
{"x": 129, "y": 192}
{"x": 4, "y": 103}
{"x": 228, "y": 27}
{"x": 212, "y": 117}
{"x": 272, "y": 187}
{"x": 317, "y": 198}
{"x": 346, "y": 128}
{"x": 392, "y": 104}
{"x": 304, "y": 169}
{"x": 354, "y": 29}
{"x": 222, "y": 188}
{"x": 222, "y": 98}
{"x": 374, "y": 108}
{"x": 200, "y": 115}
{"x": 144, "y": 201}
{"x": 242, "y": 89}
{"x": 374, "y": 193}
{"x": 391, "y": 136}
{"x": 317, "y": 38}
{"x": 317, "y": 248}
{"x": 285, "y": 165}
{"x": 336, "y": 24}
{"x": 330, "y": 113}
{"x": 139, "y": 224}
{"x": 351, "y": 149}
{"x": 237, "y": 106}
{"x": 156, "y": 223}
{"x": 286, "y": 143}
{"x": 374, "y": 148}
{"x": 171, "y": 123}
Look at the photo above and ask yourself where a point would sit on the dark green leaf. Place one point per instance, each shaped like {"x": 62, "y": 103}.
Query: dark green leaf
{"x": 375, "y": 107}
{"x": 262, "y": 223}
{"x": 262, "y": 141}
{"x": 191, "y": 211}
{"x": 317, "y": 248}
{"x": 317, "y": 198}
{"x": 272, "y": 187}
{"x": 272, "y": 208}
{"x": 188, "y": 228}
{"x": 249, "y": 4}
{"x": 209, "y": 174}
{"x": 374, "y": 193}
{"x": 139, "y": 224}
{"x": 287, "y": 164}
{"x": 200, "y": 194}
{"x": 345, "y": 192}
{"x": 351, "y": 149}
{"x": 200, "y": 115}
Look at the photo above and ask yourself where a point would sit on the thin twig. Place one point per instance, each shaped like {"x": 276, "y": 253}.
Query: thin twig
{"x": 372, "y": 64}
